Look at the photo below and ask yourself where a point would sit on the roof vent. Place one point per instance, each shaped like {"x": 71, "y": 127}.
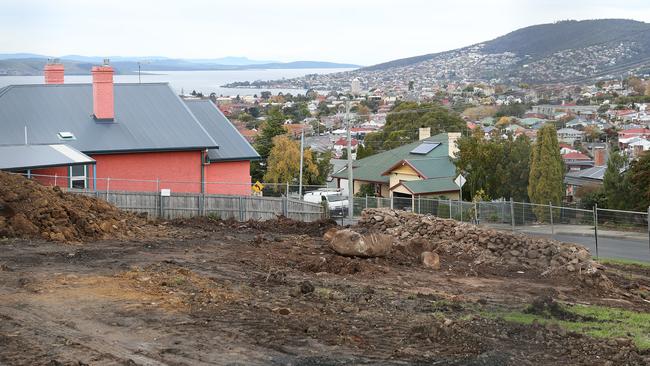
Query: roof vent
{"x": 65, "y": 135}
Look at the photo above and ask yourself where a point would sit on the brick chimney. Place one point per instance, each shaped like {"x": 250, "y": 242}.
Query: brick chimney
{"x": 103, "y": 100}
{"x": 599, "y": 156}
{"x": 53, "y": 72}
{"x": 424, "y": 133}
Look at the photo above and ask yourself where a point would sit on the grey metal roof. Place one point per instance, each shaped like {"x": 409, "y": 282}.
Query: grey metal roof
{"x": 148, "y": 117}
{"x": 597, "y": 172}
{"x": 232, "y": 145}
{"x": 21, "y": 157}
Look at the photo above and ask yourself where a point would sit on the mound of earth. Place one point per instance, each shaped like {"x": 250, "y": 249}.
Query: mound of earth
{"x": 30, "y": 210}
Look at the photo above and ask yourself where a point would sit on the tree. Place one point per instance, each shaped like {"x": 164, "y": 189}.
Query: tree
{"x": 404, "y": 120}
{"x": 284, "y": 163}
{"x": 364, "y": 151}
{"x": 637, "y": 85}
{"x": 272, "y": 127}
{"x": 478, "y": 113}
{"x": 498, "y": 167}
{"x": 514, "y": 110}
{"x": 324, "y": 165}
{"x": 545, "y": 182}
{"x": 366, "y": 190}
{"x": 615, "y": 184}
{"x": 639, "y": 183}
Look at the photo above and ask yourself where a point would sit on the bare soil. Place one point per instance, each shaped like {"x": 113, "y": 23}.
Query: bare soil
{"x": 272, "y": 293}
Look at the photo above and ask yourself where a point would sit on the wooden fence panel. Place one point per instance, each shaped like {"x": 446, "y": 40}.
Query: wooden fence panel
{"x": 183, "y": 205}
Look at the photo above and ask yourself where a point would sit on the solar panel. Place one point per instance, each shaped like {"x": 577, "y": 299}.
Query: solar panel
{"x": 425, "y": 148}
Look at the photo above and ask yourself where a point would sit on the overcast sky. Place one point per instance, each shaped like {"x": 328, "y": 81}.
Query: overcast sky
{"x": 356, "y": 31}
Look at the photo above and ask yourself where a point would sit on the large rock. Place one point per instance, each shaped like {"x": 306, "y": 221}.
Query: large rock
{"x": 430, "y": 260}
{"x": 351, "y": 243}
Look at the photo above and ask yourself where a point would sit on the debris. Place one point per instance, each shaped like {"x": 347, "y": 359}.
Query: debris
{"x": 350, "y": 243}
{"x": 430, "y": 260}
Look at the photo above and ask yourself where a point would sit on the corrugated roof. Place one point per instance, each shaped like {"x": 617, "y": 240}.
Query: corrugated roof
{"x": 371, "y": 168}
{"x": 21, "y": 157}
{"x": 148, "y": 117}
{"x": 232, "y": 145}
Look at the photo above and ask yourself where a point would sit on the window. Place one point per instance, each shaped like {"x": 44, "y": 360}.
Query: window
{"x": 78, "y": 176}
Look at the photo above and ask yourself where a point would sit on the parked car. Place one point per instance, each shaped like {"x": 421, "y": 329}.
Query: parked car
{"x": 334, "y": 198}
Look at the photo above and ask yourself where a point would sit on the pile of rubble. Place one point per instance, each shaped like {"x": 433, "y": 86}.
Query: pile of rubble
{"x": 31, "y": 210}
{"x": 484, "y": 245}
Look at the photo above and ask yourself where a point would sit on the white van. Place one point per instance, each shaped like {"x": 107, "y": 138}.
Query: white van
{"x": 334, "y": 198}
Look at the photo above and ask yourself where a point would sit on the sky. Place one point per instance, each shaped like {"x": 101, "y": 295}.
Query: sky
{"x": 363, "y": 32}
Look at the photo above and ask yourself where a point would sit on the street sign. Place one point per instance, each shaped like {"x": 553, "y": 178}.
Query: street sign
{"x": 165, "y": 192}
{"x": 258, "y": 187}
{"x": 460, "y": 181}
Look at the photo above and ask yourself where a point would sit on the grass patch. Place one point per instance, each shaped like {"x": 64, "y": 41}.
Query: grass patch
{"x": 625, "y": 262}
{"x": 596, "y": 321}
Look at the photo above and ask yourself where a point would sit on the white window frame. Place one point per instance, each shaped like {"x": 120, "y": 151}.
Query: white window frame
{"x": 83, "y": 178}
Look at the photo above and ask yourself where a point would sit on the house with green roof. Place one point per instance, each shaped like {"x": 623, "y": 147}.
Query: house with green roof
{"x": 420, "y": 169}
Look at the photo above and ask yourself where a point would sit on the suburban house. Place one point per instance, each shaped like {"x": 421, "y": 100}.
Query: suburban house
{"x": 574, "y": 180}
{"x": 569, "y": 135}
{"x": 142, "y": 136}
{"x": 577, "y": 161}
{"x": 420, "y": 169}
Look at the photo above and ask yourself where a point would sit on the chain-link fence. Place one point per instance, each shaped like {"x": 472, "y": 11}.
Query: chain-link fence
{"x": 608, "y": 233}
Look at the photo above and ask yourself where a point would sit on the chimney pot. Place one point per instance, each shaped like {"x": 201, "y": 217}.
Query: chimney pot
{"x": 103, "y": 95}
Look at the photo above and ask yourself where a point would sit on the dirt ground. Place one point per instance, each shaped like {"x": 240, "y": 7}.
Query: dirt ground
{"x": 274, "y": 294}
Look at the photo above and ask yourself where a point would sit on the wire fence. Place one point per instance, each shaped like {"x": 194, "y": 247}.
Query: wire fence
{"x": 608, "y": 233}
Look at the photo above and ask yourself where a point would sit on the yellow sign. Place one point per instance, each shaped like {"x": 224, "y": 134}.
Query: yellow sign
{"x": 258, "y": 187}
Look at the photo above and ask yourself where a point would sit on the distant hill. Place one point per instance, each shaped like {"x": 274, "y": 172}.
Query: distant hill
{"x": 32, "y": 64}
{"x": 559, "y": 52}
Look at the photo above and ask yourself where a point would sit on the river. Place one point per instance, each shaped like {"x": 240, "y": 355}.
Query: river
{"x": 207, "y": 82}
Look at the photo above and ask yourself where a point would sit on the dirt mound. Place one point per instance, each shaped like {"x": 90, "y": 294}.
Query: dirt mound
{"x": 30, "y": 210}
{"x": 279, "y": 225}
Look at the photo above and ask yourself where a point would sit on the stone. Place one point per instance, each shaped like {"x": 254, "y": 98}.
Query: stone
{"x": 515, "y": 253}
{"x": 329, "y": 234}
{"x": 350, "y": 243}
{"x": 306, "y": 287}
{"x": 430, "y": 260}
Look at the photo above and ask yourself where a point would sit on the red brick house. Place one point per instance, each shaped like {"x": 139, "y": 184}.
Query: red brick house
{"x": 142, "y": 136}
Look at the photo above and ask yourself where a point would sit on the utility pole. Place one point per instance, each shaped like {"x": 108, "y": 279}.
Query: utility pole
{"x": 350, "y": 178}
{"x": 302, "y": 147}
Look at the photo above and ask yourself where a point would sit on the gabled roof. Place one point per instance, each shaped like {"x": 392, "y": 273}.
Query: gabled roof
{"x": 22, "y": 157}
{"x": 371, "y": 168}
{"x": 232, "y": 145}
{"x": 430, "y": 185}
{"x": 148, "y": 117}
{"x": 575, "y": 156}
{"x": 427, "y": 167}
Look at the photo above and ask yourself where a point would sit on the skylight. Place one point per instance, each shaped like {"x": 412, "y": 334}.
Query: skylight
{"x": 425, "y": 148}
{"x": 65, "y": 135}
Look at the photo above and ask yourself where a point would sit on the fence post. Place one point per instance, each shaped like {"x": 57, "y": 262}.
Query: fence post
{"x": 419, "y": 204}
{"x": 285, "y": 206}
{"x": 476, "y": 213}
{"x": 392, "y": 198}
{"x": 366, "y": 201}
{"x": 450, "y": 208}
{"x": 596, "y": 227}
{"x": 460, "y": 205}
{"x": 241, "y": 209}
{"x": 108, "y": 187}
{"x": 550, "y": 209}
{"x": 512, "y": 213}
{"x": 648, "y": 227}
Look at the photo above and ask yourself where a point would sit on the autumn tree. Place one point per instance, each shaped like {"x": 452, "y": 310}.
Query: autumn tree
{"x": 272, "y": 127}
{"x": 284, "y": 163}
{"x": 480, "y": 112}
{"x": 546, "y": 178}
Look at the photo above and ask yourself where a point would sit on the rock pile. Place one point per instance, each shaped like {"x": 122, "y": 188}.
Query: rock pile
{"x": 427, "y": 233}
{"x": 30, "y": 210}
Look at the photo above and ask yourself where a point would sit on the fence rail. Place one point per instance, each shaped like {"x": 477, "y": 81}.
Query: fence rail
{"x": 184, "y": 205}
